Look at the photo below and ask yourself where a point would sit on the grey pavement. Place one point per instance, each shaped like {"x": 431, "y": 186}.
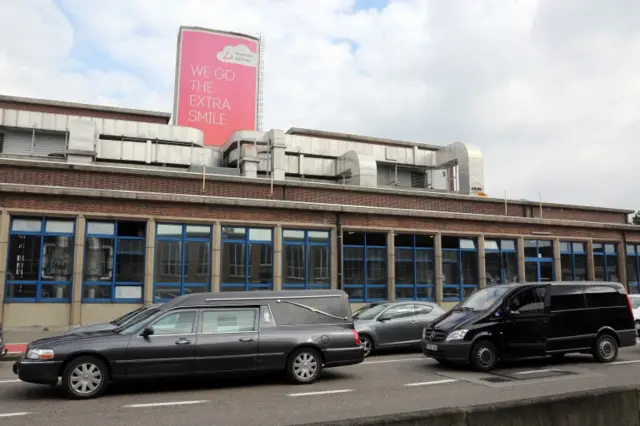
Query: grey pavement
{"x": 382, "y": 385}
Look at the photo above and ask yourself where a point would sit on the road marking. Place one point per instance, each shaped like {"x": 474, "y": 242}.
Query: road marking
{"x": 320, "y": 392}
{"x": 165, "y": 404}
{"x": 22, "y": 413}
{"x": 435, "y": 382}
{"x": 635, "y": 361}
{"x": 395, "y": 360}
{"x": 546, "y": 370}
{"x": 10, "y": 381}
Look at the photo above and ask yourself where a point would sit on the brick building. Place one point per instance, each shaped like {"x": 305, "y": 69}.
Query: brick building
{"x": 103, "y": 209}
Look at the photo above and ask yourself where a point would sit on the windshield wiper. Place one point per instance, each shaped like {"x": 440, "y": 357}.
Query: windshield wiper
{"x": 312, "y": 309}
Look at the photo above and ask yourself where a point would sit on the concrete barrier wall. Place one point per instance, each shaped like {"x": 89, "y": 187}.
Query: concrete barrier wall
{"x": 602, "y": 407}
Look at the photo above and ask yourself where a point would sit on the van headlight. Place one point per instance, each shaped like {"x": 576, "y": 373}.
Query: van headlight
{"x": 41, "y": 354}
{"x": 424, "y": 333}
{"x": 456, "y": 335}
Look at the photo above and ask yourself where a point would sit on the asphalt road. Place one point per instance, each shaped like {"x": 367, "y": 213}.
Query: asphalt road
{"x": 383, "y": 384}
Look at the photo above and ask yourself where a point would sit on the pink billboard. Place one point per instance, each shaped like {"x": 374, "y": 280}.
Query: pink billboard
{"x": 216, "y": 88}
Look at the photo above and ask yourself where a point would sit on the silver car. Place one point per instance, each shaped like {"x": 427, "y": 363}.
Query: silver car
{"x": 394, "y": 324}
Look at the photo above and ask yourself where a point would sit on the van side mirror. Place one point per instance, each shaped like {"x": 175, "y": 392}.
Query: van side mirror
{"x": 148, "y": 331}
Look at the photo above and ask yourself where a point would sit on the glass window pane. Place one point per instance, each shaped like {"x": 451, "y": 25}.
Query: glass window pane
{"x": 168, "y": 264}
{"x": 198, "y": 231}
{"x": 96, "y": 291}
{"x": 233, "y": 233}
{"x": 631, "y": 249}
{"x": 318, "y": 236}
{"x": 353, "y": 265}
{"x": 101, "y": 228}
{"x": 450, "y": 273}
{"x": 55, "y": 291}
{"x": 530, "y": 248}
{"x": 493, "y": 266}
{"x": 610, "y": 248}
{"x": 405, "y": 292}
{"x": 128, "y": 292}
{"x": 57, "y": 259}
{"x": 166, "y": 292}
{"x": 130, "y": 261}
{"x": 229, "y": 321}
{"x": 450, "y": 255}
{"x": 469, "y": 268}
{"x": 598, "y": 263}
{"x": 176, "y": 323}
{"x": 22, "y": 291}
{"x": 233, "y": 263}
{"x": 578, "y": 248}
{"x": 531, "y": 272}
{"x": 566, "y": 264}
{"x": 197, "y": 262}
{"x": 612, "y": 269}
{"x": 404, "y": 266}
{"x": 98, "y": 260}
{"x": 426, "y": 293}
{"x": 257, "y": 234}
{"x": 376, "y": 271}
{"x": 169, "y": 230}
{"x": 466, "y": 243}
{"x": 545, "y": 248}
{"x": 491, "y": 245}
{"x": 581, "y": 267}
{"x": 294, "y": 264}
{"x": 425, "y": 272}
{"x": 508, "y": 245}
{"x": 319, "y": 262}
{"x": 260, "y": 264}
{"x": 510, "y": 263}
{"x": 598, "y": 247}
{"x": 377, "y": 293}
{"x": 632, "y": 269}
{"x": 451, "y": 292}
{"x": 565, "y": 246}
{"x": 59, "y": 226}
{"x": 26, "y": 225}
{"x": 291, "y": 235}
{"x": 23, "y": 263}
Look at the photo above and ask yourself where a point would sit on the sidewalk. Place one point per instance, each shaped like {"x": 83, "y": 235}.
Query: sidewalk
{"x": 18, "y": 338}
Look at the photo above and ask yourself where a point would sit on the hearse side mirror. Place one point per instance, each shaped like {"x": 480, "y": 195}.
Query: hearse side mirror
{"x": 148, "y": 331}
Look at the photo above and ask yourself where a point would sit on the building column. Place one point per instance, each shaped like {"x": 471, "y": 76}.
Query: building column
{"x": 150, "y": 261}
{"x": 391, "y": 266}
{"x": 482, "y": 264}
{"x": 4, "y": 252}
{"x": 334, "y": 247}
{"x": 591, "y": 267}
{"x": 216, "y": 257}
{"x": 622, "y": 264}
{"x": 557, "y": 261}
{"x": 277, "y": 257}
{"x": 521, "y": 274}
{"x": 78, "y": 263}
{"x": 437, "y": 263}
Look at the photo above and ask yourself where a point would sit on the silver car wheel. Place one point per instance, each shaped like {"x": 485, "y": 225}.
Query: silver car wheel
{"x": 366, "y": 344}
{"x": 305, "y": 366}
{"x": 86, "y": 379}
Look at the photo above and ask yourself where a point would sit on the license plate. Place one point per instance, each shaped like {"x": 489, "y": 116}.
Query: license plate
{"x": 432, "y": 347}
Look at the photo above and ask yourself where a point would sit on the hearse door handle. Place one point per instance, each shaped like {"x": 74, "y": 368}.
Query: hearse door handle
{"x": 183, "y": 342}
{"x": 246, "y": 339}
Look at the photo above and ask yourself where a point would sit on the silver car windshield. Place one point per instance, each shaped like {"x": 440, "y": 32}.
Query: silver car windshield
{"x": 369, "y": 312}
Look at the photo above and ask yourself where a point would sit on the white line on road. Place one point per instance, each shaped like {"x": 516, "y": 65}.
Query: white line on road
{"x": 22, "y": 413}
{"x": 165, "y": 404}
{"x": 10, "y": 381}
{"x": 434, "y": 382}
{"x": 321, "y": 392}
{"x": 546, "y": 370}
{"x": 395, "y": 360}
{"x": 635, "y": 361}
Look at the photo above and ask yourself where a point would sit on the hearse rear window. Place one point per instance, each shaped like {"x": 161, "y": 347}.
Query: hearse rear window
{"x": 301, "y": 311}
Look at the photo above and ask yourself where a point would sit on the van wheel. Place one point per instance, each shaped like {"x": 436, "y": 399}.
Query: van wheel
{"x": 606, "y": 349}
{"x": 484, "y": 356}
{"x": 85, "y": 377}
{"x": 367, "y": 344}
{"x": 304, "y": 366}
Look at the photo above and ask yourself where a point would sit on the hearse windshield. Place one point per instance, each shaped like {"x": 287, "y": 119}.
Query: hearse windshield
{"x": 145, "y": 317}
{"x": 483, "y": 299}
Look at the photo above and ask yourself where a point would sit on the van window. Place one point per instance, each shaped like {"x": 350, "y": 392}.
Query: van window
{"x": 313, "y": 310}
{"x": 602, "y": 296}
{"x": 528, "y": 301}
{"x": 567, "y": 297}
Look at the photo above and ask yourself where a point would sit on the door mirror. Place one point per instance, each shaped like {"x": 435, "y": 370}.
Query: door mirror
{"x": 384, "y": 317}
{"x": 148, "y": 331}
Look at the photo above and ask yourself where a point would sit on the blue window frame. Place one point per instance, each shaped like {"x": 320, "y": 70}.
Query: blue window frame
{"x": 247, "y": 259}
{"x": 633, "y": 268}
{"x": 40, "y": 260}
{"x": 415, "y": 268}
{"x": 182, "y": 260}
{"x": 365, "y": 266}
{"x": 605, "y": 261}
{"x": 306, "y": 259}
{"x": 114, "y": 262}
{"x": 538, "y": 261}
{"x": 459, "y": 268}
{"x": 573, "y": 261}
{"x": 501, "y": 261}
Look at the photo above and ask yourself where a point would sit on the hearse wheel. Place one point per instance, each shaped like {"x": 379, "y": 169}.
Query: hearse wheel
{"x": 367, "y": 344}
{"x": 85, "y": 377}
{"x": 484, "y": 356}
{"x": 304, "y": 366}
{"x": 606, "y": 349}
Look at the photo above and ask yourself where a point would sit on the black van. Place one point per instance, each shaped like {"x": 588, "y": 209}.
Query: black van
{"x": 533, "y": 320}
{"x": 296, "y": 332}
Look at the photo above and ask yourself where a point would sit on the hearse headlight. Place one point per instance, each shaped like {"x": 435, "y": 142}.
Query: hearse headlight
{"x": 456, "y": 335}
{"x": 41, "y": 354}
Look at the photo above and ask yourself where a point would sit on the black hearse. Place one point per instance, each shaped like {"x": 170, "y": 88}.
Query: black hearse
{"x": 297, "y": 332}
{"x": 533, "y": 320}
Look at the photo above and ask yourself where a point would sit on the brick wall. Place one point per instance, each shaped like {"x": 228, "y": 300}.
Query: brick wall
{"x": 173, "y": 185}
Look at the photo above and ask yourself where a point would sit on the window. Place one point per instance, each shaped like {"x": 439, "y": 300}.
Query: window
{"x": 305, "y": 259}
{"x": 404, "y": 310}
{"x": 573, "y": 261}
{"x": 415, "y": 271}
{"x": 182, "y": 260}
{"x": 247, "y": 259}
{"x": 605, "y": 262}
{"x": 180, "y": 322}
{"x": 114, "y": 256}
{"x": 501, "y": 261}
{"x": 601, "y": 296}
{"x": 459, "y": 268}
{"x": 40, "y": 260}
{"x": 365, "y": 266}
{"x": 529, "y": 301}
{"x": 229, "y": 321}
{"x": 633, "y": 268}
{"x": 538, "y": 262}
{"x": 567, "y": 297}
